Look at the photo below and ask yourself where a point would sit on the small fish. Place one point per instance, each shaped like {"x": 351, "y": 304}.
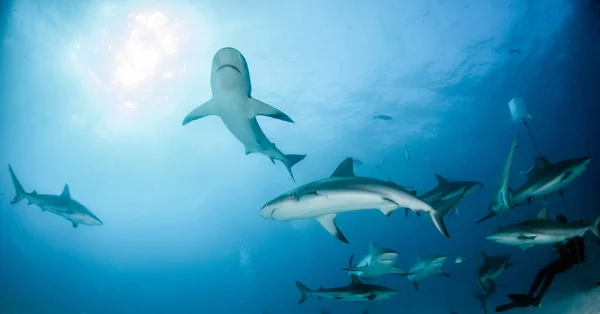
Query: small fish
{"x": 406, "y": 153}
{"x": 381, "y": 163}
{"x": 455, "y": 210}
{"x": 460, "y": 259}
{"x": 514, "y": 51}
{"x": 382, "y": 117}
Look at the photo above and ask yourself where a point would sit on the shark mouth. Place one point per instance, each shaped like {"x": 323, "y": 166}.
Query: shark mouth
{"x": 229, "y": 66}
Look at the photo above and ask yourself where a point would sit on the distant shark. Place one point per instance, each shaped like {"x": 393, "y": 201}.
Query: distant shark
{"x": 492, "y": 268}
{"x": 427, "y": 267}
{"x": 344, "y": 192}
{"x": 356, "y": 291}
{"x": 541, "y": 230}
{"x": 62, "y": 205}
{"x": 447, "y": 189}
{"x": 233, "y": 103}
{"x": 378, "y": 262}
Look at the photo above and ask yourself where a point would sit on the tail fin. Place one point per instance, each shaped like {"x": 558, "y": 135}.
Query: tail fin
{"x": 304, "y": 290}
{"x": 440, "y": 210}
{"x": 486, "y": 217}
{"x": 20, "y": 193}
{"x": 397, "y": 271}
{"x": 596, "y": 227}
{"x": 290, "y": 161}
{"x": 481, "y": 298}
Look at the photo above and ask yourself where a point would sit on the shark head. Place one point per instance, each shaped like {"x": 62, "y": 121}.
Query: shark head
{"x": 229, "y": 62}
{"x": 83, "y": 216}
{"x": 573, "y": 168}
{"x": 508, "y": 237}
{"x": 384, "y": 257}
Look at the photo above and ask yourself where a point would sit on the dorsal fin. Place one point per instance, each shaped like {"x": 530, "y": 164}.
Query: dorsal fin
{"x": 354, "y": 280}
{"x": 371, "y": 246}
{"x": 34, "y": 192}
{"x": 543, "y": 214}
{"x": 441, "y": 180}
{"x": 541, "y": 162}
{"x": 485, "y": 256}
{"x": 66, "y": 192}
{"x": 345, "y": 169}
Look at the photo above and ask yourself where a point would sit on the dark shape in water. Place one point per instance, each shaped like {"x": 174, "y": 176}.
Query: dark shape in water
{"x": 514, "y": 51}
{"x": 382, "y": 117}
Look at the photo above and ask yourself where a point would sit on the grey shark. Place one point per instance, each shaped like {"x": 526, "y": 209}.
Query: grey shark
{"x": 492, "y": 268}
{"x": 233, "y": 103}
{"x": 356, "y": 291}
{"x": 447, "y": 189}
{"x": 542, "y": 231}
{"x": 502, "y": 201}
{"x": 62, "y": 205}
{"x": 378, "y": 262}
{"x": 427, "y": 267}
{"x": 344, "y": 192}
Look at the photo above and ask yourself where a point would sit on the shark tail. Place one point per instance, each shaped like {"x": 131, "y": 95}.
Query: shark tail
{"x": 397, "y": 271}
{"x": 20, "y": 192}
{"x": 481, "y": 299}
{"x": 596, "y": 227}
{"x": 440, "y": 210}
{"x": 438, "y": 220}
{"x": 486, "y": 217}
{"x": 290, "y": 161}
{"x": 304, "y": 290}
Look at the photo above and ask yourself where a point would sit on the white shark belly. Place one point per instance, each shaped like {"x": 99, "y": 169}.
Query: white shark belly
{"x": 334, "y": 202}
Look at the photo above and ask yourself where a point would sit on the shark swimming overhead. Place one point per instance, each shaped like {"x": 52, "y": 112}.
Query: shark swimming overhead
{"x": 427, "y": 267}
{"x": 541, "y": 230}
{"x": 378, "y": 262}
{"x": 344, "y": 192}
{"x": 62, "y": 205}
{"x": 233, "y": 103}
{"x": 356, "y": 291}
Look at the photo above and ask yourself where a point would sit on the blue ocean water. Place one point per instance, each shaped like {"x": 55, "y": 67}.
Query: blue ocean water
{"x": 94, "y": 92}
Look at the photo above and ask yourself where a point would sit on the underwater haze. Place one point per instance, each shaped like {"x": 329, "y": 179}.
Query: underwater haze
{"x": 93, "y": 95}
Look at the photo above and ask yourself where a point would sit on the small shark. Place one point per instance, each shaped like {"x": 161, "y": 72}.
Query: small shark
{"x": 449, "y": 189}
{"x": 62, "y": 205}
{"x": 427, "y": 267}
{"x": 502, "y": 202}
{"x": 483, "y": 296}
{"x": 492, "y": 268}
{"x": 232, "y": 102}
{"x": 541, "y": 230}
{"x": 378, "y": 262}
{"x": 356, "y": 291}
{"x": 344, "y": 192}
{"x": 382, "y": 117}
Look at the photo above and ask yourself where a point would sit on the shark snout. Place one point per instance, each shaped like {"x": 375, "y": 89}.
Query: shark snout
{"x": 229, "y": 58}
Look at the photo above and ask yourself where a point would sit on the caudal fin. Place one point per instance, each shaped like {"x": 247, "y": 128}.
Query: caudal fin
{"x": 440, "y": 210}
{"x": 304, "y": 290}
{"x": 20, "y": 193}
{"x": 290, "y": 161}
{"x": 596, "y": 227}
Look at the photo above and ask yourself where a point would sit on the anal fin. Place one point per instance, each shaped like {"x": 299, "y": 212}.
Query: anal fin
{"x": 328, "y": 222}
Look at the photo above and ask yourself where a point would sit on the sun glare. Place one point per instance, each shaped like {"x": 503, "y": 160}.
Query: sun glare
{"x": 150, "y": 39}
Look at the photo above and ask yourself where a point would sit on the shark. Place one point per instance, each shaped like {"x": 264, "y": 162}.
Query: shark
{"x": 447, "y": 189}
{"x": 427, "y": 267}
{"x": 356, "y": 291}
{"x": 542, "y": 231}
{"x": 501, "y": 203}
{"x": 492, "y": 268}
{"x": 62, "y": 205}
{"x": 378, "y": 262}
{"x": 343, "y": 192}
{"x": 232, "y": 101}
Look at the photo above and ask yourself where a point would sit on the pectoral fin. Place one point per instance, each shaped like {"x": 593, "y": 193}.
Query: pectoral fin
{"x": 328, "y": 222}
{"x": 259, "y": 108}
{"x": 209, "y": 108}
